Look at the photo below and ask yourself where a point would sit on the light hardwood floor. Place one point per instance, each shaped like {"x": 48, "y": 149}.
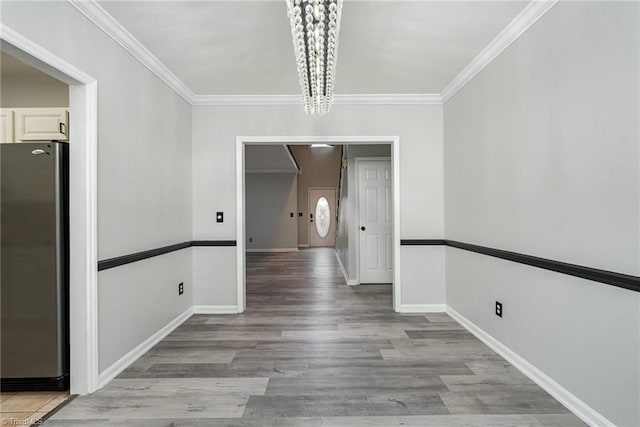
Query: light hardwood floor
{"x": 311, "y": 351}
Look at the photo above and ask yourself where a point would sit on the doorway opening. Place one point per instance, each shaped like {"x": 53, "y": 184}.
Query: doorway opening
{"x": 82, "y": 195}
{"x": 324, "y": 219}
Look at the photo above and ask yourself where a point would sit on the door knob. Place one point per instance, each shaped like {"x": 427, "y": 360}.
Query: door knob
{"x": 362, "y": 228}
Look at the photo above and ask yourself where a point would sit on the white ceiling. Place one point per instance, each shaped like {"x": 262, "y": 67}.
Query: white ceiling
{"x": 244, "y": 47}
{"x": 268, "y": 158}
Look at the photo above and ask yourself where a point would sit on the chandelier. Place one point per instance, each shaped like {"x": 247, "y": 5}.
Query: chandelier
{"x": 315, "y": 25}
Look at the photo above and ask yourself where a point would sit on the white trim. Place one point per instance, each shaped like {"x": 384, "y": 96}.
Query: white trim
{"x": 121, "y": 364}
{"x": 350, "y": 282}
{"x": 525, "y": 19}
{"x": 241, "y": 141}
{"x": 397, "y": 281}
{"x": 107, "y": 23}
{"x": 273, "y": 250}
{"x": 561, "y": 394}
{"x": 215, "y": 309}
{"x": 239, "y": 100}
{"x": 423, "y": 308}
{"x": 338, "y": 99}
{"x": 83, "y": 274}
{"x": 240, "y": 219}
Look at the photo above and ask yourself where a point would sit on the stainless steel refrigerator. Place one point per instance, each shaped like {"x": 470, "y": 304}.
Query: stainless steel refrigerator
{"x": 34, "y": 258}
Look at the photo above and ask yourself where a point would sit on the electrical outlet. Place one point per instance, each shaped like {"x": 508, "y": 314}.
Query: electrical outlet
{"x": 498, "y": 309}
{"x": 180, "y": 288}
{"x": 250, "y": 239}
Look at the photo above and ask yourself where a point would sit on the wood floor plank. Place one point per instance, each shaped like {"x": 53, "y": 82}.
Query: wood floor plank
{"x": 311, "y": 351}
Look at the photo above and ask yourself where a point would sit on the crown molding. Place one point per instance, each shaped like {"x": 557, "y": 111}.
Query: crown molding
{"x": 107, "y": 23}
{"x": 525, "y": 19}
{"x": 389, "y": 99}
{"x": 363, "y": 99}
{"x": 221, "y": 100}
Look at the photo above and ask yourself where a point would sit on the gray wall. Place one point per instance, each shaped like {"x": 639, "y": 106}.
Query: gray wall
{"x": 542, "y": 158}
{"x": 320, "y": 167}
{"x": 270, "y": 198}
{"x": 348, "y": 231}
{"x": 144, "y": 174}
{"x": 421, "y": 173}
{"x": 22, "y": 86}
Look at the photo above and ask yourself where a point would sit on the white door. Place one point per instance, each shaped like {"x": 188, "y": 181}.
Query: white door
{"x": 375, "y": 203}
{"x": 322, "y": 217}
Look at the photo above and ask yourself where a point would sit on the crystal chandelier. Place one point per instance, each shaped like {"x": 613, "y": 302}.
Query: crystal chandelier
{"x": 315, "y": 25}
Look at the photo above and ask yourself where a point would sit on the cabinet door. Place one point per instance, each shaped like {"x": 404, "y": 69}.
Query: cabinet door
{"x": 41, "y": 124}
{"x": 6, "y": 125}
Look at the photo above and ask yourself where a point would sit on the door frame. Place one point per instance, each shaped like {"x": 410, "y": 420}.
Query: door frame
{"x": 356, "y": 195}
{"x": 83, "y": 190}
{"x": 335, "y": 202}
{"x": 242, "y": 141}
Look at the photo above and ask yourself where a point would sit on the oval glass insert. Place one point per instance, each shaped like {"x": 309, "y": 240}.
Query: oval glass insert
{"x": 323, "y": 217}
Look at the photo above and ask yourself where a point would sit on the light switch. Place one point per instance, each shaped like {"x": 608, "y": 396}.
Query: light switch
{"x": 219, "y": 217}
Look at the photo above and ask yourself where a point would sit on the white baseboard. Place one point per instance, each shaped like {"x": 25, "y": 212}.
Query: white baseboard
{"x": 121, "y": 364}
{"x": 303, "y": 245}
{"x": 422, "y": 308}
{"x": 274, "y": 250}
{"x": 215, "y": 309}
{"x": 562, "y": 395}
{"x": 350, "y": 282}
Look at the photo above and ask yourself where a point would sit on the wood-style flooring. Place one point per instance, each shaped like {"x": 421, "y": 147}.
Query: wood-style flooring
{"x": 312, "y": 351}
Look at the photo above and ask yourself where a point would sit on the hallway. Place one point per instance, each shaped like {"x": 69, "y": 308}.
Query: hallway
{"x": 311, "y": 351}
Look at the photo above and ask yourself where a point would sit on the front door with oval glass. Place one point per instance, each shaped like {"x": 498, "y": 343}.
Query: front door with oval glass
{"x": 322, "y": 217}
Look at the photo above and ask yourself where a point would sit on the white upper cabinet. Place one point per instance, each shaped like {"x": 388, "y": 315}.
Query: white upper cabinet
{"x": 41, "y": 124}
{"x": 6, "y": 125}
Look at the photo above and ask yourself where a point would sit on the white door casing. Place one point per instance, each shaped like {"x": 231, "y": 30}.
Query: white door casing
{"x": 322, "y": 222}
{"x": 375, "y": 220}
{"x": 83, "y": 190}
{"x": 241, "y": 141}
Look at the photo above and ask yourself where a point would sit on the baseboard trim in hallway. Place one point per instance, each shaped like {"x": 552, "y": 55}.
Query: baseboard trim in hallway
{"x": 422, "y": 308}
{"x": 350, "y": 282}
{"x": 215, "y": 309}
{"x": 121, "y": 364}
{"x": 561, "y": 394}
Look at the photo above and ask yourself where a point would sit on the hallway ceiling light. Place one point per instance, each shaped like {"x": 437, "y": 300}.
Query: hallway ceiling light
{"x": 315, "y": 25}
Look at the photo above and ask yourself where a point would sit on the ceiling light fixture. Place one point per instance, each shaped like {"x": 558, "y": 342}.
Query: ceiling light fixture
{"x": 315, "y": 25}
